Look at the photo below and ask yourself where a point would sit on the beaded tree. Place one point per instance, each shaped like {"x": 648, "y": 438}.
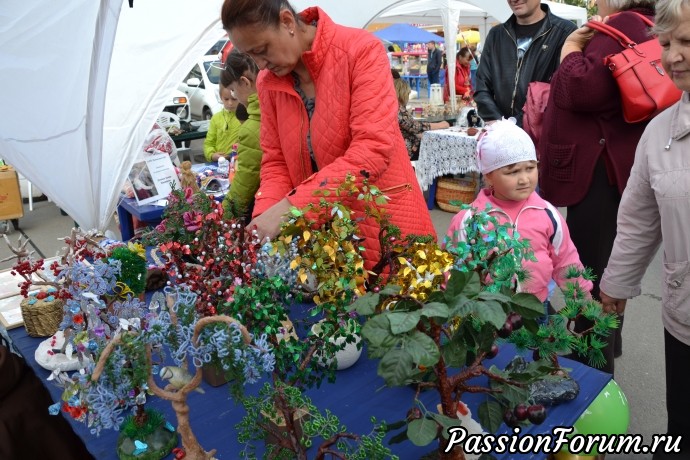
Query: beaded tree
{"x": 100, "y": 282}
{"x": 204, "y": 251}
{"x": 211, "y": 256}
{"x": 438, "y": 318}
{"x": 104, "y": 390}
{"x": 321, "y": 244}
{"x": 96, "y": 278}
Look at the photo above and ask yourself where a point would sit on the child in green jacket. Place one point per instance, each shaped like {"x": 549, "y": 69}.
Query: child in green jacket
{"x": 240, "y": 75}
{"x": 224, "y": 128}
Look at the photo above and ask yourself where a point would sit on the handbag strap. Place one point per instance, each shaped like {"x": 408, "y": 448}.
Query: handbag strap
{"x": 617, "y": 34}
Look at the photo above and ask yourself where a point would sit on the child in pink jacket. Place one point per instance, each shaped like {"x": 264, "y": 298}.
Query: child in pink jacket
{"x": 508, "y": 161}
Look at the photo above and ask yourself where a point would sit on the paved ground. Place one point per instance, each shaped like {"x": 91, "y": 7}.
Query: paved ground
{"x": 640, "y": 371}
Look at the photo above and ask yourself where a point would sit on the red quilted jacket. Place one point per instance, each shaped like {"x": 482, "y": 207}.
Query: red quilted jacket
{"x": 354, "y": 128}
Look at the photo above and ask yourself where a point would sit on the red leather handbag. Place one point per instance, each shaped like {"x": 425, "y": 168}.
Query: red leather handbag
{"x": 645, "y": 88}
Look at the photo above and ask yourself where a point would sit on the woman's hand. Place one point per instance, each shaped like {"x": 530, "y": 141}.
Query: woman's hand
{"x": 217, "y": 155}
{"x": 267, "y": 225}
{"x": 577, "y": 40}
{"x": 611, "y": 305}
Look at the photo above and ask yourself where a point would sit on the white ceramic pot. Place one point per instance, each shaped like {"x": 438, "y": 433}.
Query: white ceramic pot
{"x": 346, "y": 357}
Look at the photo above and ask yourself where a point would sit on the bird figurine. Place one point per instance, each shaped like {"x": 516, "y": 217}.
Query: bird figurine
{"x": 468, "y": 423}
{"x": 177, "y": 377}
{"x": 464, "y": 414}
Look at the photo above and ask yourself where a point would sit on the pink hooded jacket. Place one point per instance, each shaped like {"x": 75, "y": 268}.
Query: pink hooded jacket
{"x": 539, "y": 222}
{"x": 354, "y": 128}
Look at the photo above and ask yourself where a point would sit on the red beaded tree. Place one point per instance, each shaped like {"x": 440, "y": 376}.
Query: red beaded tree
{"x": 203, "y": 250}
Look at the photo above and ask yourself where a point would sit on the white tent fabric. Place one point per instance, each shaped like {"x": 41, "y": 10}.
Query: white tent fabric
{"x": 574, "y": 13}
{"x": 84, "y": 82}
{"x": 359, "y": 13}
{"x": 425, "y": 12}
{"x": 419, "y": 12}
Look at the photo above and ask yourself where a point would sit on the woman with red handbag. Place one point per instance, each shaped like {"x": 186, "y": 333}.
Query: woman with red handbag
{"x": 586, "y": 147}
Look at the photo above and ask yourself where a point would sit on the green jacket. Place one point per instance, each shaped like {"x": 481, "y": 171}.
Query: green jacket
{"x": 248, "y": 163}
{"x": 223, "y": 131}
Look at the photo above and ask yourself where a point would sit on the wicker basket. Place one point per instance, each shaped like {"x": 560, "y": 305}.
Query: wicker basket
{"x": 455, "y": 189}
{"x": 43, "y": 317}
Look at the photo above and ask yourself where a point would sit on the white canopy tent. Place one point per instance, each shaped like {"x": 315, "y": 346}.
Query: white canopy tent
{"x": 424, "y": 12}
{"x": 358, "y": 13}
{"x": 574, "y": 13}
{"x": 450, "y": 13}
{"x": 454, "y": 13}
{"x": 85, "y": 80}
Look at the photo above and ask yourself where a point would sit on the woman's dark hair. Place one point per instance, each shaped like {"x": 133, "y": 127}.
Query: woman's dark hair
{"x": 238, "y": 65}
{"x": 391, "y": 48}
{"x": 395, "y": 74}
{"x": 241, "y": 113}
{"x": 463, "y": 52}
{"x": 253, "y": 12}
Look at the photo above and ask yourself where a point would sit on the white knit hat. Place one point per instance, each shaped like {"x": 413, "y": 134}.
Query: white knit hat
{"x": 503, "y": 144}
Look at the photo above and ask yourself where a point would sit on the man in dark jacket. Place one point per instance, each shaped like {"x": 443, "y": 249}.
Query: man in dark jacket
{"x": 525, "y": 48}
{"x": 433, "y": 65}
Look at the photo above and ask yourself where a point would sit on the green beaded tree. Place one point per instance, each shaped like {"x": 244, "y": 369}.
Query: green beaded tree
{"x": 444, "y": 312}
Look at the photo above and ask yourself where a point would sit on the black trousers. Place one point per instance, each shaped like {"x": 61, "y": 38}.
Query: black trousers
{"x": 592, "y": 225}
{"x": 677, "y": 356}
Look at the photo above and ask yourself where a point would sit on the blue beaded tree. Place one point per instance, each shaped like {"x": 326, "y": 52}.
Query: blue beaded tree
{"x": 101, "y": 393}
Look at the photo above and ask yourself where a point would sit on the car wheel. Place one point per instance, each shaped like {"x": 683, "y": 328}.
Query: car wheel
{"x": 207, "y": 113}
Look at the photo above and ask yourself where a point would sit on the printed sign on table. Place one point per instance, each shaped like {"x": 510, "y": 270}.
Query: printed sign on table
{"x": 153, "y": 178}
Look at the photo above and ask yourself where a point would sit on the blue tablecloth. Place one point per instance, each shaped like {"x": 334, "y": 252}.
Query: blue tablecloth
{"x": 357, "y": 395}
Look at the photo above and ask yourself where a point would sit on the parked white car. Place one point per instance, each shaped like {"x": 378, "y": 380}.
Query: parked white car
{"x": 179, "y": 106}
{"x": 201, "y": 87}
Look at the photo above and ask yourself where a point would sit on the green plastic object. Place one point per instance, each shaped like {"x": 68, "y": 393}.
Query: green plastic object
{"x": 608, "y": 414}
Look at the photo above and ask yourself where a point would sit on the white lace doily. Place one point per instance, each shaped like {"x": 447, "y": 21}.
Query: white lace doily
{"x": 443, "y": 152}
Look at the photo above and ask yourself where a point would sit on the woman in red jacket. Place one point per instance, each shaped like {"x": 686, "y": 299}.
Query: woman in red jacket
{"x": 587, "y": 148}
{"x": 463, "y": 80}
{"x": 328, "y": 109}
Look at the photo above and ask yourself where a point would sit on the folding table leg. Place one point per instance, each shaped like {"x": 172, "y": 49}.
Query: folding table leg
{"x": 185, "y": 147}
{"x": 31, "y": 195}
